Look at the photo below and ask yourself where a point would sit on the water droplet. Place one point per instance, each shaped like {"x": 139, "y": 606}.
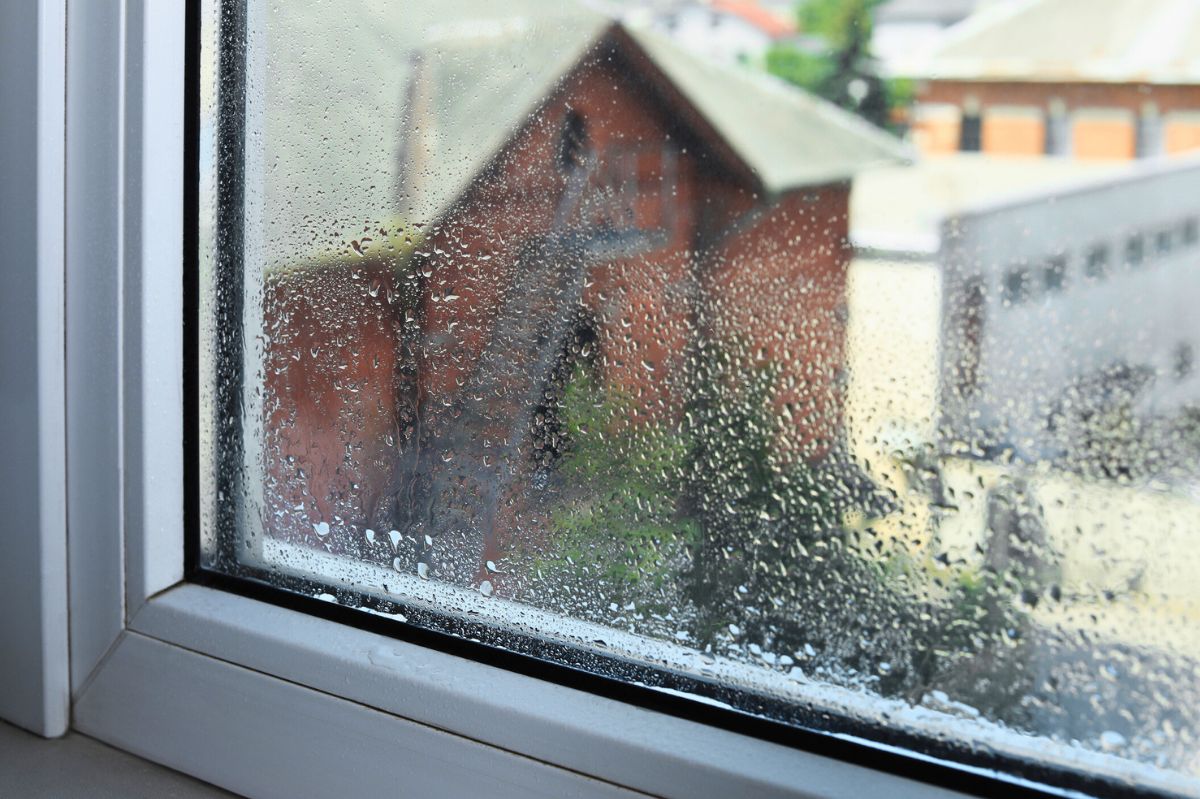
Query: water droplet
{"x": 1111, "y": 740}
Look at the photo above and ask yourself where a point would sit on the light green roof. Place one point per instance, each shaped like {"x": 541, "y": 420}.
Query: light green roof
{"x": 1120, "y": 41}
{"x": 790, "y": 138}
{"x": 355, "y": 141}
{"x": 479, "y": 92}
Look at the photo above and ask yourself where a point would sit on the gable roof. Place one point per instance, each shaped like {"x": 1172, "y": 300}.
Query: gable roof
{"x": 1113, "y": 41}
{"x": 789, "y": 138}
{"x": 472, "y": 95}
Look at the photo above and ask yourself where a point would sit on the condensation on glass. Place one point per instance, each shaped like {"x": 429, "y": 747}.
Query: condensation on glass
{"x": 528, "y": 318}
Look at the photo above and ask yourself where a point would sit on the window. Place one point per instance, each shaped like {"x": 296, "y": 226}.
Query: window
{"x": 493, "y": 389}
{"x": 970, "y": 136}
{"x": 971, "y": 324}
{"x": 1164, "y": 241}
{"x": 1017, "y": 286}
{"x": 1058, "y": 130}
{"x": 1135, "y": 250}
{"x": 1184, "y": 358}
{"x": 1097, "y": 262}
{"x": 1054, "y": 274}
{"x": 1149, "y": 135}
{"x": 486, "y": 455}
{"x": 1190, "y": 232}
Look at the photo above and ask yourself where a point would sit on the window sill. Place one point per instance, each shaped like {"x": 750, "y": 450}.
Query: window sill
{"x": 438, "y": 723}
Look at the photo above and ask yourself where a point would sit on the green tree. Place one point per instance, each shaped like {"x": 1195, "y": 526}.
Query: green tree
{"x": 845, "y": 73}
{"x": 616, "y": 518}
{"x": 774, "y": 566}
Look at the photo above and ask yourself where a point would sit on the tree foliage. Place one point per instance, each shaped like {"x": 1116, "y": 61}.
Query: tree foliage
{"x": 845, "y": 72}
{"x": 711, "y": 522}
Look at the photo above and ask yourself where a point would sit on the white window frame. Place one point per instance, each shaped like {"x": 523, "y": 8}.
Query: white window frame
{"x": 250, "y": 696}
{"x": 33, "y": 568}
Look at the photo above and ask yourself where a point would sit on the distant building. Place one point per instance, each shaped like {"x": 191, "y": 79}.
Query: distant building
{"x": 905, "y": 29}
{"x": 1061, "y": 290}
{"x": 1061, "y": 317}
{"x": 1023, "y": 355}
{"x": 724, "y": 31}
{"x": 1103, "y": 79}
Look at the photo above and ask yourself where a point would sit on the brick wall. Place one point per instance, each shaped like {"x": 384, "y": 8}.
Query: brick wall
{"x": 1103, "y": 115}
{"x": 779, "y": 285}
{"x": 349, "y": 362}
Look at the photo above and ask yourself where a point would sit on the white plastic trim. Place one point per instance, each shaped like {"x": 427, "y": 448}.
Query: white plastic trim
{"x": 265, "y": 737}
{"x": 619, "y": 743}
{"x": 152, "y": 264}
{"x": 95, "y": 489}
{"x": 33, "y": 570}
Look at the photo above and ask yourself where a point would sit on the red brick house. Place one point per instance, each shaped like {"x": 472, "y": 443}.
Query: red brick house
{"x": 612, "y": 198}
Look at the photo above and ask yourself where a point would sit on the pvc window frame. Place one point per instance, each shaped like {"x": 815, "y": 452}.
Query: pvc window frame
{"x": 251, "y": 696}
{"x": 33, "y": 570}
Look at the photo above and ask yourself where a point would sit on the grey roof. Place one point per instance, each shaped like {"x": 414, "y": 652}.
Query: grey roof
{"x": 1154, "y": 41}
{"x": 478, "y": 92}
{"x": 943, "y": 12}
{"x": 356, "y": 141}
{"x": 470, "y": 96}
{"x": 790, "y": 138}
{"x": 334, "y": 128}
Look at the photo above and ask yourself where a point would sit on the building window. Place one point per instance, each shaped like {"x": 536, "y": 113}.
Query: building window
{"x": 1135, "y": 250}
{"x": 1058, "y": 130}
{"x": 1164, "y": 241}
{"x": 1149, "y": 141}
{"x": 971, "y": 325}
{"x": 970, "y": 137}
{"x": 1183, "y": 360}
{"x": 1189, "y": 232}
{"x": 970, "y": 130}
{"x": 1017, "y": 286}
{"x": 1096, "y": 265}
{"x": 573, "y": 141}
{"x": 1054, "y": 274}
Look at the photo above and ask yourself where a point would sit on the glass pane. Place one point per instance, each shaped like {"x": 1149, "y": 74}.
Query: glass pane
{"x": 669, "y": 343}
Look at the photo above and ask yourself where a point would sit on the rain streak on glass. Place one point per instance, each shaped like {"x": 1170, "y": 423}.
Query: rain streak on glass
{"x": 662, "y": 334}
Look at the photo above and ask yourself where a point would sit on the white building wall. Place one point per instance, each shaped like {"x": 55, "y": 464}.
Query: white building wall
{"x": 717, "y": 35}
{"x": 1033, "y": 348}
